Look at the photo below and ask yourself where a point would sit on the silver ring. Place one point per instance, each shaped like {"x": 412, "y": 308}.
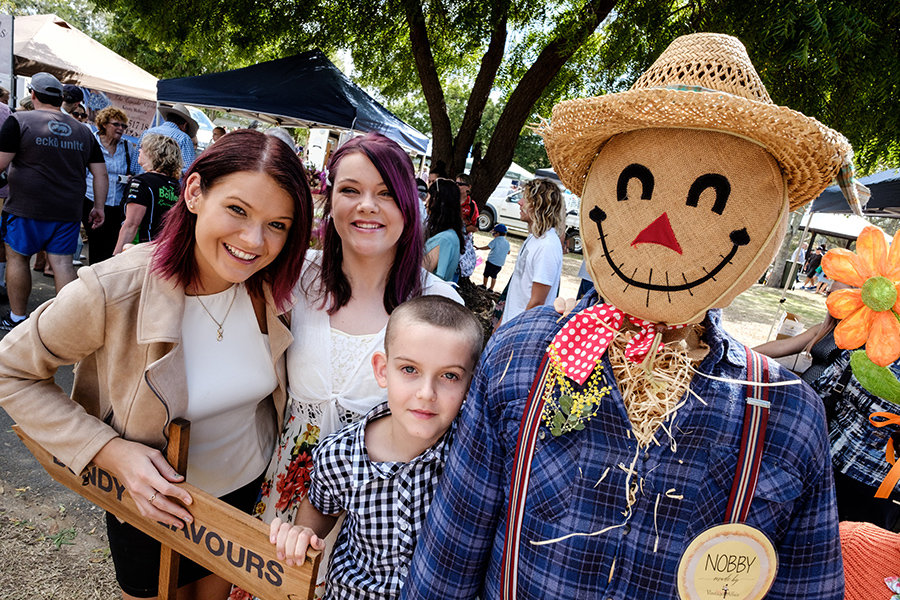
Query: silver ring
{"x": 152, "y": 498}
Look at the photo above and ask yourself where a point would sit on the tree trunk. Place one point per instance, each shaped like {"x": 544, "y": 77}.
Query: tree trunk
{"x": 489, "y": 171}
{"x": 787, "y": 248}
{"x": 478, "y": 97}
{"x": 441, "y": 133}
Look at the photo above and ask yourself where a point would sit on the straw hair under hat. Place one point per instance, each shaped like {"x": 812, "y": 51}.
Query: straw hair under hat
{"x": 701, "y": 81}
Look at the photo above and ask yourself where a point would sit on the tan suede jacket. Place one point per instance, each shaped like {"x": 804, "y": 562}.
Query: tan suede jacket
{"x": 122, "y": 325}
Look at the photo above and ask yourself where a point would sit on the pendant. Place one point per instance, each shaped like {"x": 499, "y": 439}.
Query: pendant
{"x": 219, "y": 337}
{"x": 733, "y": 561}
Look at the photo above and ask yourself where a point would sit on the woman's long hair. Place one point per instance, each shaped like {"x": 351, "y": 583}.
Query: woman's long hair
{"x": 243, "y": 150}
{"x": 444, "y": 211}
{"x": 404, "y": 279}
{"x": 544, "y": 203}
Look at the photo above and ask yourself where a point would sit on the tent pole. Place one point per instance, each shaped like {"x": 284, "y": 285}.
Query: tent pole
{"x": 790, "y": 280}
{"x": 12, "y": 62}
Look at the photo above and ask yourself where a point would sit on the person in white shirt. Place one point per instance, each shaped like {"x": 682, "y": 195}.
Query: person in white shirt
{"x": 535, "y": 280}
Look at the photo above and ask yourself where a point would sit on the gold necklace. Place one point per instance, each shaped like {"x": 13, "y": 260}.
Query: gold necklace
{"x": 219, "y": 325}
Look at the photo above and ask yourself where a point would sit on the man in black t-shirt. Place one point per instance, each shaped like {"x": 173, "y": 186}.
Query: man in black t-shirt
{"x": 48, "y": 153}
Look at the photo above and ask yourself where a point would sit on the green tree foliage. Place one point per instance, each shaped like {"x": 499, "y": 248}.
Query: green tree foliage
{"x": 441, "y": 62}
{"x": 530, "y": 152}
{"x": 80, "y": 13}
{"x": 405, "y": 47}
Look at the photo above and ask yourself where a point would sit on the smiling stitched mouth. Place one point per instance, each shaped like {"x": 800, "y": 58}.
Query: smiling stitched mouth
{"x": 738, "y": 237}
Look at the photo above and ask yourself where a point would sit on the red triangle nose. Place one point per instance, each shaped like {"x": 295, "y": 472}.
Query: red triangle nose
{"x": 658, "y": 232}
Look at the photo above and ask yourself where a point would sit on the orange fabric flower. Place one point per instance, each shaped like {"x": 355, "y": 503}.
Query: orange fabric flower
{"x": 868, "y": 313}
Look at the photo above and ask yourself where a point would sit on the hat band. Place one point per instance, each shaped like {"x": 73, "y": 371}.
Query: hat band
{"x": 690, "y": 88}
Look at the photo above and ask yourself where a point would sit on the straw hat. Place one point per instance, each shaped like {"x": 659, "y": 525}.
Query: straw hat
{"x": 182, "y": 111}
{"x": 701, "y": 81}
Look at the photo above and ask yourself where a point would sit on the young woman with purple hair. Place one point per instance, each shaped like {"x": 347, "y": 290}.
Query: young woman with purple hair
{"x": 371, "y": 261}
{"x": 186, "y": 326}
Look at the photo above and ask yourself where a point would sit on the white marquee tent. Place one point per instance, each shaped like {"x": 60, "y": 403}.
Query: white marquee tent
{"x": 48, "y": 43}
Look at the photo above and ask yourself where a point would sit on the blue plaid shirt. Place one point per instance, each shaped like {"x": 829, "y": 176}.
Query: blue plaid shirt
{"x": 460, "y": 550}
{"x": 169, "y": 130}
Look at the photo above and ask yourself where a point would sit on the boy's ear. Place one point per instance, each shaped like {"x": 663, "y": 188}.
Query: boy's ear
{"x": 379, "y": 367}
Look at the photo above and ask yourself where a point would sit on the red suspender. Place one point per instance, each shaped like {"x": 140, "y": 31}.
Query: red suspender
{"x": 531, "y": 423}
{"x": 756, "y": 417}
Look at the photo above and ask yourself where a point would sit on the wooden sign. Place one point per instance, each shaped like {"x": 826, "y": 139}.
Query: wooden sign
{"x": 223, "y": 539}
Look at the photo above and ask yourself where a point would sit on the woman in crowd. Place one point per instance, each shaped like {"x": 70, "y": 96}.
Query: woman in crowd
{"x": 153, "y": 192}
{"x": 817, "y": 341}
{"x": 535, "y": 279}
{"x": 187, "y": 326}
{"x": 111, "y": 124}
{"x": 444, "y": 233}
{"x": 370, "y": 262}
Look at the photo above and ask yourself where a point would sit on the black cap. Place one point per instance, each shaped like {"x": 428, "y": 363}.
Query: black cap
{"x": 72, "y": 93}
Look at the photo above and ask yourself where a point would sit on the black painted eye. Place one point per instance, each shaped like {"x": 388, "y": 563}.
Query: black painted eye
{"x": 597, "y": 215}
{"x": 739, "y": 237}
{"x": 639, "y": 172}
{"x": 710, "y": 180}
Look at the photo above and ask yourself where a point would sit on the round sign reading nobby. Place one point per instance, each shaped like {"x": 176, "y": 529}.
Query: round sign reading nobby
{"x": 727, "y": 562}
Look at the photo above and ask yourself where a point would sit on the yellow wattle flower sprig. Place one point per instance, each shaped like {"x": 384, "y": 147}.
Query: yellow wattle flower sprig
{"x": 571, "y": 410}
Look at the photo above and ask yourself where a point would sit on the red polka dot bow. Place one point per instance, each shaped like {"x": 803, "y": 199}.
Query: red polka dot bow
{"x": 581, "y": 343}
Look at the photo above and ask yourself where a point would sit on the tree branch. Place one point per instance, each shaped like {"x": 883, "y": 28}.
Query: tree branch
{"x": 527, "y": 92}
{"x": 484, "y": 82}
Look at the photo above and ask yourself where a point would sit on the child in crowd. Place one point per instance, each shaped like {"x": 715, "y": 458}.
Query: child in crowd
{"x": 382, "y": 471}
{"x": 499, "y": 247}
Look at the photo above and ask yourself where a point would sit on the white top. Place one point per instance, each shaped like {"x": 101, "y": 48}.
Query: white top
{"x": 310, "y": 362}
{"x": 226, "y": 382}
{"x": 539, "y": 261}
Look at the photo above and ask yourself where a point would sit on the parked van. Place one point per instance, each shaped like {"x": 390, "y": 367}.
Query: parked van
{"x": 503, "y": 207}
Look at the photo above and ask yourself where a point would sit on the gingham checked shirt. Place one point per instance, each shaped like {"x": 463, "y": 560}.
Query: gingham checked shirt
{"x": 460, "y": 550}
{"x": 385, "y": 503}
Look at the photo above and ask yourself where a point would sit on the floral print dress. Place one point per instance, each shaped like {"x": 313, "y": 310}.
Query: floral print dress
{"x": 288, "y": 477}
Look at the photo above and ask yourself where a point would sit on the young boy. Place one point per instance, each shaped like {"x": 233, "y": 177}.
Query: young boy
{"x": 499, "y": 247}
{"x": 382, "y": 470}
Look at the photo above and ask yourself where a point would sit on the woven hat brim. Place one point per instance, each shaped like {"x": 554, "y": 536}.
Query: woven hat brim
{"x": 809, "y": 153}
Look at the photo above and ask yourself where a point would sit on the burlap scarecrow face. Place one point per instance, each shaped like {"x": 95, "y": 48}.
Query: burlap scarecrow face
{"x": 686, "y": 179}
{"x": 676, "y": 221}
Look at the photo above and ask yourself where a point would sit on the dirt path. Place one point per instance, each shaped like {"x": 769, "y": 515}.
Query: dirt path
{"x": 51, "y": 548}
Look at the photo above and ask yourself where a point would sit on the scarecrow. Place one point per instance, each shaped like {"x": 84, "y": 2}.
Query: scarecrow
{"x": 633, "y": 449}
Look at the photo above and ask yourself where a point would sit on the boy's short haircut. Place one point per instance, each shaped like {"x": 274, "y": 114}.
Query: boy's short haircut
{"x": 463, "y": 178}
{"x": 440, "y": 312}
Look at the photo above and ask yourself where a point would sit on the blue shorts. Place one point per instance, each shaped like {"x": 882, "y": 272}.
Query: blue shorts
{"x": 29, "y": 236}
